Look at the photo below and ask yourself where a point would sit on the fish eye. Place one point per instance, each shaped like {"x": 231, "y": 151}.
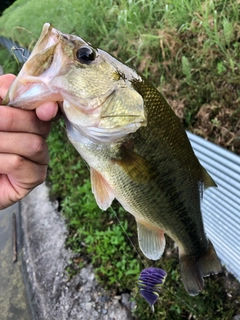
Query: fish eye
{"x": 86, "y": 55}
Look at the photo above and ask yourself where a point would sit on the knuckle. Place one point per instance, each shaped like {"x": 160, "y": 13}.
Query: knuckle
{"x": 6, "y": 119}
{"x": 38, "y": 145}
{"x": 18, "y": 162}
{"x": 35, "y": 173}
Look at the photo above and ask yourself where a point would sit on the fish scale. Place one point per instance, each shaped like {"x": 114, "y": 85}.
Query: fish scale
{"x": 136, "y": 147}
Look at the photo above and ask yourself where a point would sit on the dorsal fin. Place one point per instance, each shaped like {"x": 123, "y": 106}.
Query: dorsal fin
{"x": 101, "y": 190}
{"x": 151, "y": 241}
{"x": 207, "y": 179}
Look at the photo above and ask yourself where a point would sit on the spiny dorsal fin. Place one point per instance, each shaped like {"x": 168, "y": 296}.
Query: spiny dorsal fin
{"x": 101, "y": 190}
{"x": 207, "y": 179}
{"x": 151, "y": 242}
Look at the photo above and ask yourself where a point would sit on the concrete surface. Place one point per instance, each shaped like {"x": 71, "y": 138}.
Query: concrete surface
{"x": 52, "y": 295}
{"x": 13, "y": 294}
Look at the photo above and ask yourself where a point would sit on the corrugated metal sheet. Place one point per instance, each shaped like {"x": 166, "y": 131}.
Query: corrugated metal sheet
{"x": 221, "y": 206}
{"x": 21, "y": 55}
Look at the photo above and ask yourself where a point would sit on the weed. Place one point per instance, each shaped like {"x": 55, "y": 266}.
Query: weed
{"x": 102, "y": 246}
{"x": 8, "y": 62}
{"x": 190, "y": 50}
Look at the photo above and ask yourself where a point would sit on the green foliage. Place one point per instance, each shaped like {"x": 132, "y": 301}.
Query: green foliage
{"x": 186, "y": 68}
{"x": 155, "y": 38}
{"x": 4, "y": 4}
{"x": 99, "y": 237}
{"x": 109, "y": 243}
{"x": 175, "y": 304}
{"x": 190, "y": 50}
{"x": 8, "y": 63}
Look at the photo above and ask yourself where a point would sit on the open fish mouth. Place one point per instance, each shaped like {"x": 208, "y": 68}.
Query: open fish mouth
{"x": 32, "y": 86}
{"x": 136, "y": 148}
{"x": 30, "y": 95}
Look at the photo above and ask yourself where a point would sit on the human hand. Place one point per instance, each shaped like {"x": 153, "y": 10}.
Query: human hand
{"x": 23, "y": 149}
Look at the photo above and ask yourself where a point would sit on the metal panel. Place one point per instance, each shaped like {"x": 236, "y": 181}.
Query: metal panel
{"x": 21, "y": 54}
{"x": 221, "y": 206}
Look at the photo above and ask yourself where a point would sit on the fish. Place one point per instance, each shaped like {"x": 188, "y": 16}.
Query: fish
{"x": 134, "y": 144}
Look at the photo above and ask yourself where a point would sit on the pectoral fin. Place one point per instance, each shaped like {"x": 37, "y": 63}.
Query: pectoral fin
{"x": 101, "y": 190}
{"x": 151, "y": 242}
{"x": 137, "y": 168}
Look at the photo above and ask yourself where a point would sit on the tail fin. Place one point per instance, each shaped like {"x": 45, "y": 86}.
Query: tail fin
{"x": 209, "y": 261}
{"x": 194, "y": 269}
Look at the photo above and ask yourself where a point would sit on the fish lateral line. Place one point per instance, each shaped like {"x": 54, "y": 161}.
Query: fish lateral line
{"x": 160, "y": 169}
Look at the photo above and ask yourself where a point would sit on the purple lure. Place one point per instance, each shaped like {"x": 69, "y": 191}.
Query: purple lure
{"x": 150, "y": 282}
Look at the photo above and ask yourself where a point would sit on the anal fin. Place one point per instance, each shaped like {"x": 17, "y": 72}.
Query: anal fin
{"x": 101, "y": 190}
{"x": 151, "y": 241}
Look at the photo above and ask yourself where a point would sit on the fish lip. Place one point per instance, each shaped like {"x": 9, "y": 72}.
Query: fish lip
{"x": 51, "y": 34}
{"x": 30, "y": 94}
{"x": 28, "y": 87}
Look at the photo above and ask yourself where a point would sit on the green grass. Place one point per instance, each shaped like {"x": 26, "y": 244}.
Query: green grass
{"x": 189, "y": 49}
{"x": 8, "y": 63}
{"x": 98, "y": 237}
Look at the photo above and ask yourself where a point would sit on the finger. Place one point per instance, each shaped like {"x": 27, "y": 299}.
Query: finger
{"x": 17, "y": 120}
{"x": 18, "y": 177}
{"x": 21, "y": 171}
{"x": 47, "y": 111}
{"x": 27, "y": 145}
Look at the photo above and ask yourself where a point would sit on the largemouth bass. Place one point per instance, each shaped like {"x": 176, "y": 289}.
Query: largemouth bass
{"x": 134, "y": 144}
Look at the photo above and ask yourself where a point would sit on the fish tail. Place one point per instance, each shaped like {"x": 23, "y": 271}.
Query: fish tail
{"x": 209, "y": 261}
{"x": 191, "y": 275}
{"x": 194, "y": 269}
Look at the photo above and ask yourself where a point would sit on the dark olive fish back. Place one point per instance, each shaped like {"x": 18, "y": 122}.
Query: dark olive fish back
{"x": 175, "y": 177}
{"x": 134, "y": 144}
{"x": 169, "y": 181}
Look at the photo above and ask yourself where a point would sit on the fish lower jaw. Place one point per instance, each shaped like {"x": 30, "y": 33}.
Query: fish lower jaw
{"x": 31, "y": 94}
